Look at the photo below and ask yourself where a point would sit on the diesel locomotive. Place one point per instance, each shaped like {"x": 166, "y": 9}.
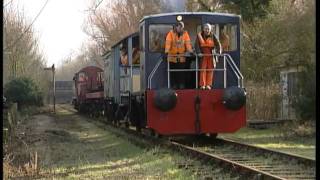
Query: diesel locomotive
{"x": 139, "y": 93}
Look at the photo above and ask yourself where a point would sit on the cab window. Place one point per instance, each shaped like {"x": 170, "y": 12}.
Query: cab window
{"x": 135, "y": 51}
{"x": 228, "y": 37}
{"x": 82, "y": 76}
{"x": 157, "y": 37}
{"x": 100, "y": 76}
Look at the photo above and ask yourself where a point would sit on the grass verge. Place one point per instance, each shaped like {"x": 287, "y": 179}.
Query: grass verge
{"x": 294, "y": 137}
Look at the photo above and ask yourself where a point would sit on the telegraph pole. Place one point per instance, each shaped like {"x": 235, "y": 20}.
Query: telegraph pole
{"x": 52, "y": 68}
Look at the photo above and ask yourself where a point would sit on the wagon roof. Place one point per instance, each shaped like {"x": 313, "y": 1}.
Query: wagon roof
{"x": 88, "y": 68}
{"x": 133, "y": 34}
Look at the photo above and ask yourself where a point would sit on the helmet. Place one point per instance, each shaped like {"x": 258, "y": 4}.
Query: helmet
{"x": 180, "y": 23}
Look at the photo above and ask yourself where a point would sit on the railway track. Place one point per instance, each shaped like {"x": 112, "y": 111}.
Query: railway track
{"x": 267, "y": 164}
{"x": 260, "y": 124}
{"x": 249, "y": 162}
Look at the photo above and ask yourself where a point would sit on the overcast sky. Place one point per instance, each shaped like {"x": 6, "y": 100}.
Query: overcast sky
{"x": 59, "y": 26}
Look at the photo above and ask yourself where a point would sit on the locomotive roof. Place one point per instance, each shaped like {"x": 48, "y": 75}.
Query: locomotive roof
{"x": 189, "y": 13}
{"x": 89, "y": 67}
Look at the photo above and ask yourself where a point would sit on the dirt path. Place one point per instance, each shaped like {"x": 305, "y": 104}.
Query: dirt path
{"x": 70, "y": 147}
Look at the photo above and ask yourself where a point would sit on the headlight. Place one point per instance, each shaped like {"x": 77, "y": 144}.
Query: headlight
{"x": 179, "y": 18}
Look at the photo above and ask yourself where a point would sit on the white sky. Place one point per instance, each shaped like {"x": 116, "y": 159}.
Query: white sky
{"x": 59, "y": 26}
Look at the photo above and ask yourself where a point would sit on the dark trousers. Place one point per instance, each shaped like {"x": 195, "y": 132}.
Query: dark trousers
{"x": 177, "y": 79}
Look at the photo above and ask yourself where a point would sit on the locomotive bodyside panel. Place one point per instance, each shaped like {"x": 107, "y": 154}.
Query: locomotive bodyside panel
{"x": 108, "y": 76}
{"x": 116, "y": 73}
{"x": 94, "y": 95}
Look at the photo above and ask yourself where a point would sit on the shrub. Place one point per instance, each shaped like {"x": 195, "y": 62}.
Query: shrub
{"x": 305, "y": 103}
{"x": 23, "y": 91}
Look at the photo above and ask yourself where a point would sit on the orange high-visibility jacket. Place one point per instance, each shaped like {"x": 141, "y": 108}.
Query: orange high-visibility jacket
{"x": 206, "y": 45}
{"x": 177, "y": 45}
{"x": 224, "y": 39}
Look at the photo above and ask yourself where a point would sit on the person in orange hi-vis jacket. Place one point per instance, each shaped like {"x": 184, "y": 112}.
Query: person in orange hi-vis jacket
{"x": 177, "y": 44}
{"x": 206, "y": 43}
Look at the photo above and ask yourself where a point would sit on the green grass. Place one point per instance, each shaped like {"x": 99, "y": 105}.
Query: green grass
{"x": 89, "y": 152}
{"x": 276, "y": 138}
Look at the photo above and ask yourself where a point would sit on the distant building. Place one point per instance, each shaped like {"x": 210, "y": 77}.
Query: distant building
{"x": 289, "y": 91}
{"x": 64, "y": 92}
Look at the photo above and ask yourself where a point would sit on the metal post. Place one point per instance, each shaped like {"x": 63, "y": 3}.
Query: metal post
{"x": 52, "y": 68}
{"x": 54, "y": 89}
{"x": 224, "y": 72}
{"x": 197, "y": 71}
{"x": 168, "y": 70}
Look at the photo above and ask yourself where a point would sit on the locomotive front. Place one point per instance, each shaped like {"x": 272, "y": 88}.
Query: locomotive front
{"x": 191, "y": 110}
{"x": 89, "y": 90}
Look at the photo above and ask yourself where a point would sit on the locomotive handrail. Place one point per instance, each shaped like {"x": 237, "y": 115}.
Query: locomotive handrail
{"x": 153, "y": 71}
{"x": 196, "y": 69}
{"x": 226, "y": 58}
{"x": 235, "y": 69}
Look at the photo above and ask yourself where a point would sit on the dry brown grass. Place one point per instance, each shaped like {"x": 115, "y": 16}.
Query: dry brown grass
{"x": 18, "y": 160}
{"x": 263, "y": 100}
{"x": 300, "y": 128}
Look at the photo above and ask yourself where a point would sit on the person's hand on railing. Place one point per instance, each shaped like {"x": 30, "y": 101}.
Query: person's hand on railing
{"x": 215, "y": 61}
{"x": 189, "y": 54}
{"x": 199, "y": 54}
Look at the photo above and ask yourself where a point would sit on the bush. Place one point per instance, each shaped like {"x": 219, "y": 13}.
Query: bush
{"x": 23, "y": 91}
{"x": 305, "y": 103}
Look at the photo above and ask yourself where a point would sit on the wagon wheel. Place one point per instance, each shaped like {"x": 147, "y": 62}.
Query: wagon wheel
{"x": 127, "y": 118}
{"x": 155, "y": 134}
{"x": 118, "y": 115}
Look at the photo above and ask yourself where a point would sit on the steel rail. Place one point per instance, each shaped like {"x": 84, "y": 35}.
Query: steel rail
{"x": 300, "y": 159}
{"x": 254, "y": 157}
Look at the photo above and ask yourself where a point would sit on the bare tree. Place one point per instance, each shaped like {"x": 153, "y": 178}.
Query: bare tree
{"x": 22, "y": 56}
{"x": 107, "y": 25}
{"x": 86, "y": 55}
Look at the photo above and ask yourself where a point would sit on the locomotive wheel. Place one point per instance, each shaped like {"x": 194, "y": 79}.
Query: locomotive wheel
{"x": 213, "y": 135}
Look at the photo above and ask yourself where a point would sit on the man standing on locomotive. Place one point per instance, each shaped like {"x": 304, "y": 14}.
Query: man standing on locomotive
{"x": 205, "y": 43}
{"x": 177, "y": 44}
